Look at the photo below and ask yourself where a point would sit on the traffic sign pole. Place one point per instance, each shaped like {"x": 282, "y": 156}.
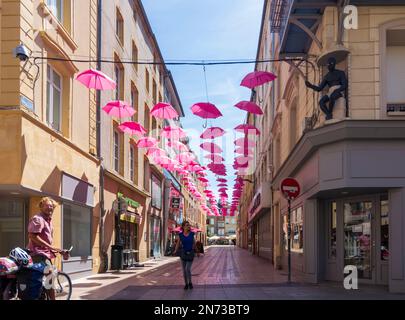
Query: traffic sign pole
{"x": 289, "y": 240}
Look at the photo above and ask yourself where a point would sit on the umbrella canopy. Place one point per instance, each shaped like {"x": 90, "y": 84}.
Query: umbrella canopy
{"x": 178, "y": 145}
{"x": 247, "y": 129}
{"x": 212, "y": 133}
{"x": 146, "y": 142}
{"x": 119, "y": 109}
{"x": 132, "y": 128}
{"x": 202, "y": 179}
{"x": 153, "y": 151}
{"x": 214, "y": 158}
{"x": 206, "y": 110}
{"x": 249, "y": 107}
{"x": 185, "y": 157}
{"x": 211, "y": 147}
{"x": 164, "y": 110}
{"x": 173, "y": 132}
{"x": 257, "y": 78}
{"x": 221, "y": 180}
{"x": 96, "y": 79}
{"x": 222, "y": 185}
{"x": 244, "y": 143}
{"x": 244, "y": 151}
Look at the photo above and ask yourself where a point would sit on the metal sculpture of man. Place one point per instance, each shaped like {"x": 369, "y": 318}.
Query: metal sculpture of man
{"x": 337, "y": 82}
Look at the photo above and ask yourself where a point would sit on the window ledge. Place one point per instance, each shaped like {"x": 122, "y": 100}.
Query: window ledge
{"x": 46, "y": 11}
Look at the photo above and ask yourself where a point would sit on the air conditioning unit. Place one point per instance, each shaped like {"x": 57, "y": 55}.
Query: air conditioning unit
{"x": 306, "y": 124}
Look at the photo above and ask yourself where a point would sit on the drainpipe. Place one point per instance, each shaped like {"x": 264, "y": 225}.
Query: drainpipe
{"x": 103, "y": 255}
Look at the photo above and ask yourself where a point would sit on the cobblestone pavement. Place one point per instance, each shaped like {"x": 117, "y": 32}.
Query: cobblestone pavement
{"x": 225, "y": 272}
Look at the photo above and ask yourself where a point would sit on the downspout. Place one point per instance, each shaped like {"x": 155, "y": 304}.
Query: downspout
{"x": 103, "y": 255}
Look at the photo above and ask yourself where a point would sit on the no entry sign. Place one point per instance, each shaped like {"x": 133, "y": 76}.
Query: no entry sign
{"x": 290, "y": 188}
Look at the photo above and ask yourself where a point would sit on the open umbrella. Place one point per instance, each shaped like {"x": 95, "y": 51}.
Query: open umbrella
{"x": 164, "y": 110}
{"x": 206, "y": 110}
{"x": 173, "y": 132}
{"x": 178, "y": 145}
{"x": 257, "y": 78}
{"x": 221, "y": 180}
{"x": 212, "y": 133}
{"x": 247, "y": 129}
{"x": 96, "y": 79}
{"x": 132, "y": 128}
{"x": 211, "y": 147}
{"x": 214, "y": 158}
{"x": 119, "y": 109}
{"x": 249, "y": 107}
{"x": 146, "y": 142}
{"x": 244, "y": 143}
{"x": 153, "y": 151}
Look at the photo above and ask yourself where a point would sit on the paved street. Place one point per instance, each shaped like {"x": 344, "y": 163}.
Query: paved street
{"x": 225, "y": 272}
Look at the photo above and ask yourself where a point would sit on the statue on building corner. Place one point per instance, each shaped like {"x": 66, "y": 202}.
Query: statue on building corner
{"x": 337, "y": 82}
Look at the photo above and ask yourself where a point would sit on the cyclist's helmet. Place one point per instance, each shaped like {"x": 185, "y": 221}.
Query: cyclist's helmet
{"x": 20, "y": 256}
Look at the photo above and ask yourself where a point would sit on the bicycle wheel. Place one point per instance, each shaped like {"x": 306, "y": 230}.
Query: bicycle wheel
{"x": 63, "y": 290}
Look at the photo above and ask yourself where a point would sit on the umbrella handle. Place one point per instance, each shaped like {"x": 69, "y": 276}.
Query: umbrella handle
{"x": 205, "y": 125}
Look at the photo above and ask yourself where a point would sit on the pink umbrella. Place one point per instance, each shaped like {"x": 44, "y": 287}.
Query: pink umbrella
{"x": 257, "y": 78}
{"x": 177, "y": 145}
{"x": 119, "y": 109}
{"x": 244, "y": 151}
{"x": 247, "y": 129}
{"x": 146, "y": 142}
{"x": 222, "y": 180}
{"x": 153, "y": 151}
{"x": 249, "y": 107}
{"x": 96, "y": 79}
{"x": 210, "y": 147}
{"x": 164, "y": 110}
{"x": 185, "y": 157}
{"x": 244, "y": 143}
{"x": 173, "y": 132}
{"x": 243, "y": 159}
{"x": 212, "y": 133}
{"x": 222, "y": 185}
{"x": 203, "y": 179}
{"x": 214, "y": 158}
{"x": 132, "y": 128}
{"x": 206, "y": 110}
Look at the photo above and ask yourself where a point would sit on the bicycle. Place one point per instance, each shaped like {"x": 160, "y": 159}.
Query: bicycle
{"x": 57, "y": 280}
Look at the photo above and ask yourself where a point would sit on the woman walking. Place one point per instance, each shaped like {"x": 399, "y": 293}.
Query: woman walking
{"x": 187, "y": 255}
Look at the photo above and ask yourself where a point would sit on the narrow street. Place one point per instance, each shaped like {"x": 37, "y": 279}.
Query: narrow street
{"x": 225, "y": 272}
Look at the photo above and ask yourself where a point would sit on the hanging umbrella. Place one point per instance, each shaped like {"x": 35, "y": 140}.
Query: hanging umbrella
{"x": 203, "y": 179}
{"x": 210, "y": 147}
{"x": 214, "y": 158}
{"x": 249, "y": 107}
{"x": 146, "y": 142}
{"x": 244, "y": 143}
{"x": 247, "y": 129}
{"x": 172, "y": 132}
{"x": 164, "y": 110}
{"x": 257, "y": 78}
{"x": 206, "y": 110}
{"x": 185, "y": 157}
{"x": 119, "y": 109}
{"x": 132, "y": 128}
{"x": 244, "y": 151}
{"x": 96, "y": 79}
{"x": 222, "y": 180}
{"x": 212, "y": 133}
{"x": 153, "y": 151}
{"x": 222, "y": 185}
{"x": 177, "y": 145}
{"x": 243, "y": 159}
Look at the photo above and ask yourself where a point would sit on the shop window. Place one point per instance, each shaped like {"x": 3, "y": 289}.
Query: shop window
{"x": 332, "y": 231}
{"x": 77, "y": 229}
{"x": 11, "y": 225}
{"x": 119, "y": 26}
{"x": 395, "y": 71}
{"x": 156, "y": 193}
{"x": 297, "y": 231}
{"x": 384, "y": 247}
{"x": 54, "y": 98}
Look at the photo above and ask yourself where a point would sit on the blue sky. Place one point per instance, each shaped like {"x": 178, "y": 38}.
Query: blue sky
{"x": 209, "y": 30}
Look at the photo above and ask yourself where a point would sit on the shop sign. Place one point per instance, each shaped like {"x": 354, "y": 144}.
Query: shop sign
{"x": 129, "y": 201}
{"x": 130, "y": 217}
{"x": 175, "y": 203}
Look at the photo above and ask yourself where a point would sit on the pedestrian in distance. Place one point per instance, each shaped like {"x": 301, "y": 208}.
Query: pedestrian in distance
{"x": 188, "y": 244}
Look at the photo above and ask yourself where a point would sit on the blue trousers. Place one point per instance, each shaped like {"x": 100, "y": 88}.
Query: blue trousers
{"x": 186, "y": 270}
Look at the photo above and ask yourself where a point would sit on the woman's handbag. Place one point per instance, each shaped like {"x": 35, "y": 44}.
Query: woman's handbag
{"x": 187, "y": 255}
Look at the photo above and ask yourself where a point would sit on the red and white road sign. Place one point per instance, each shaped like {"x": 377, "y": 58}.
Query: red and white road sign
{"x": 290, "y": 188}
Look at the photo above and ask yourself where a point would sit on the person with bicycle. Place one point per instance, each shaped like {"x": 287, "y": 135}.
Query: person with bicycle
{"x": 40, "y": 233}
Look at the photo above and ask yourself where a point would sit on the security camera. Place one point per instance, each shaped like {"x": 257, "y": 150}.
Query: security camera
{"x": 21, "y": 52}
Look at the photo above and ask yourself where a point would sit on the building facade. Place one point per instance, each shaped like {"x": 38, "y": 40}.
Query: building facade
{"x": 47, "y": 134}
{"x": 350, "y": 210}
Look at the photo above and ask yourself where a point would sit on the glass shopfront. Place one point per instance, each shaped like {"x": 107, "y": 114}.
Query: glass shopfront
{"x": 12, "y": 222}
{"x": 155, "y": 226}
{"x": 129, "y": 237}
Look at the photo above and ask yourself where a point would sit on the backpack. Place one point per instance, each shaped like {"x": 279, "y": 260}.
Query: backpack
{"x": 29, "y": 281}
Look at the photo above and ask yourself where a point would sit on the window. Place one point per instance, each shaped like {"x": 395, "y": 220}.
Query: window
{"x": 156, "y": 192}
{"x": 212, "y": 221}
{"x": 119, "y": 27}
{"x": 116, "y": 150}
{"x": 146, "y": 121}
{"x": 212, "y": 230}
{"x": 384, "y": 228}
{"x": 332, "y": 231}
{"x": 395, "y": 70}
{"x": 135, "y": 55}
{"x": 119, "y": 79}
{"x": 131, "y": 162}
{"x": 297, "y": 232}
{"x": 77, "y": 229}
{"x": 293, "y": 125}
{"x": 12, "y": 225}
{"x": 146, "y": 179}
{"x": 56, "y": 6}
{"x": 134, "y": 101}
{"x": 53, "y": 98}
{"x": 147, "y": 79}
{"x": 155, "y": 95}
